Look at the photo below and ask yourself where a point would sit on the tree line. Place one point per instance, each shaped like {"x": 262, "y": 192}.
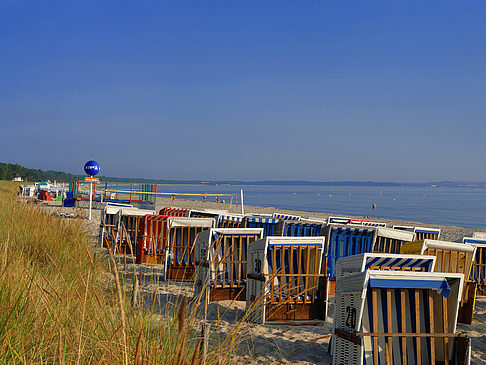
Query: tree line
{"x": 8, "y": 171}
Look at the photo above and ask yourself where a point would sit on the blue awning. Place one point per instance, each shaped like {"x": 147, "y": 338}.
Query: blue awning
{"x": 441, "y": 285}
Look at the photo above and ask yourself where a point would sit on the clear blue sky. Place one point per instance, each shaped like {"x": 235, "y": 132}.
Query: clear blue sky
{"x": 289, "y": 90}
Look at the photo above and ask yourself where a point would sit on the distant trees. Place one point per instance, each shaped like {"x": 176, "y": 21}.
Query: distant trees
{"x": 8, "y": 171}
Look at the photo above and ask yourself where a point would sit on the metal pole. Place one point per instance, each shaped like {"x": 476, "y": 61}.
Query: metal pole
{"x": 90, "y": 198}
{"x": 242, "y": 206}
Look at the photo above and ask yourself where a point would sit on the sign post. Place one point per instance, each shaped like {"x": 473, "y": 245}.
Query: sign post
{"x": 92, "y": 168}
{"x": 242, "y": 204}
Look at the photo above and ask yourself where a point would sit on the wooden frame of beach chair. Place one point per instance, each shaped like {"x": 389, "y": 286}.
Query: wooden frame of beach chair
{"x": 478, "y": 271}
{"x": 398, "y": 317}
{"x": 130, "y": 218}
{"x": 221, "y": 262}
{"x": 107, "y": 229}
{"x": 175, "y": 212}
{"x": 452, "y": 257}
{"x": 284, "y": 280}
{"x": 180, "y": 260}
{"x": 390, "y": 240}
{"x": 303, "y": 228}
{"x": 384, "y": 261}
{"x": 271, "y": 226}
{"x": 287, "y": 217}
{"x": 425, "y": 233}
{"x": 152, "y": 240}
{"x": 345, "y": 241}
{"x": 230, "y": 220}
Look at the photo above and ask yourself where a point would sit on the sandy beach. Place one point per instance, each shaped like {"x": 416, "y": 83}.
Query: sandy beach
{"x": 267, "y": 344}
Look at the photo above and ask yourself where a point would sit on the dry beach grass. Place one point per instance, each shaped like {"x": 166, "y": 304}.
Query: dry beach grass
{"x": 62, "y": 301}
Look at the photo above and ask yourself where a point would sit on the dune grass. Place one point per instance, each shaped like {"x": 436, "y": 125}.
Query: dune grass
{"x": 61, "y": 302}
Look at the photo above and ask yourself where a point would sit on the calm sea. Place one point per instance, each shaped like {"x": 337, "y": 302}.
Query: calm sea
{"x": 465, "y": 207}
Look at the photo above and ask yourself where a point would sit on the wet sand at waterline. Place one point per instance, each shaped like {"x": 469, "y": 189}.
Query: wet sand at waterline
{"x": 266, "y": 344}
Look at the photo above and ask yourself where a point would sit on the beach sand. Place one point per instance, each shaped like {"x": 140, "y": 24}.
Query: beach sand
{"x": 267, "y": 344}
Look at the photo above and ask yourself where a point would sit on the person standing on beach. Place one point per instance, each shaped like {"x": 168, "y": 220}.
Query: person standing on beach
{"x": 373, "y": 206}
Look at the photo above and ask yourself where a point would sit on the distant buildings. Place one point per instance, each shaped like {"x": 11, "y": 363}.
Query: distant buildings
{"x": 17, "y": 178}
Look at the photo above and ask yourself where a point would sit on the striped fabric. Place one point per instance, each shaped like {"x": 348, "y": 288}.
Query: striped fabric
{"x": 263, "y": 220}
{"x": 294, "y": 258}
{"x": 478, "y": 270}
{"x": 154, "y": 233}
{"x": 426, "y": 263}
{"x": 339, "y": 220}
{"x": 300, "y": 229}
{"x": 286, "y": 217}
{"x": 269, "y": 225}
{"x": 345, "y": 242}
{"x": 427, "y": 230}
{"x": 233, "y": 218}
{"x": 382, "y": 325}
{"x": 360, "y": 221}
{"x": 174, "y": 212}
{"x": 373, "y": 224}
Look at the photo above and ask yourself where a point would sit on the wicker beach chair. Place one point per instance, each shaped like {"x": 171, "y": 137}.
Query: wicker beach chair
{"x": 284, "y": 280}
{"x": 398, "y": 317}
{"x": 478, "y": 270}
{"x": 221, "y": 262}
{"x": 182, "y": 232}
{"x": 152, "y": 240}
{"x": 452, "y": 257}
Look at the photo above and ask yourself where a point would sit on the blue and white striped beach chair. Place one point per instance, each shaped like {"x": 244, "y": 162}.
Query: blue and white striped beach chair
{"x": 271, "y": 226}
{"x": 346, "y": 241}
{"x": 284, "y": 279}
{"x": 303, "y": 228}
{"x": 398, "y": 317}
{"x": 478, "y": 270}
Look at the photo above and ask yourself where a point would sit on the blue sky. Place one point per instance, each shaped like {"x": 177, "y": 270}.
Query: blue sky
{"x": 246, "y": 90}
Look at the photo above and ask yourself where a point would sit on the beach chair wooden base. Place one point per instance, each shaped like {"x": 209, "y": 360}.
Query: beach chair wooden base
{"x": 481, "y": 291}
{"x": 295, "y": 311}
{"x": 180, "y": 272}
{"x": 332, "y": 286}
{"x": 150, "y": 259}
{"x": 235, "y": 293}
{"x": 466, "y": 310}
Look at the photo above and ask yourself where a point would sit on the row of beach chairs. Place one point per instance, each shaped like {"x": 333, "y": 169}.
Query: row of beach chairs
{"x": 285, "y": 267}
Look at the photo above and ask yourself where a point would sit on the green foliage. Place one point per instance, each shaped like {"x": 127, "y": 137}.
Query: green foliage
{"x": 8, "y": 171}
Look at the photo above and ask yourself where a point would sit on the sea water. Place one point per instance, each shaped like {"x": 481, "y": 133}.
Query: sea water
{"x": 465, "y": 207}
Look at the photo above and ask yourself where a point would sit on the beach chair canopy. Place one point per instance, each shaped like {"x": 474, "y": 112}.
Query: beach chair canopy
{"x": 427, "y": 230}
{"x": 287, "y": 217}
{"x": 207, "y": 213}
{"x": 383, "y": 261}
{"x": 395, "y": 234}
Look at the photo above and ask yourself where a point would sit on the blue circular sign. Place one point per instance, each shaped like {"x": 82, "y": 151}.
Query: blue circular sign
{"x": 92, "y": 168}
